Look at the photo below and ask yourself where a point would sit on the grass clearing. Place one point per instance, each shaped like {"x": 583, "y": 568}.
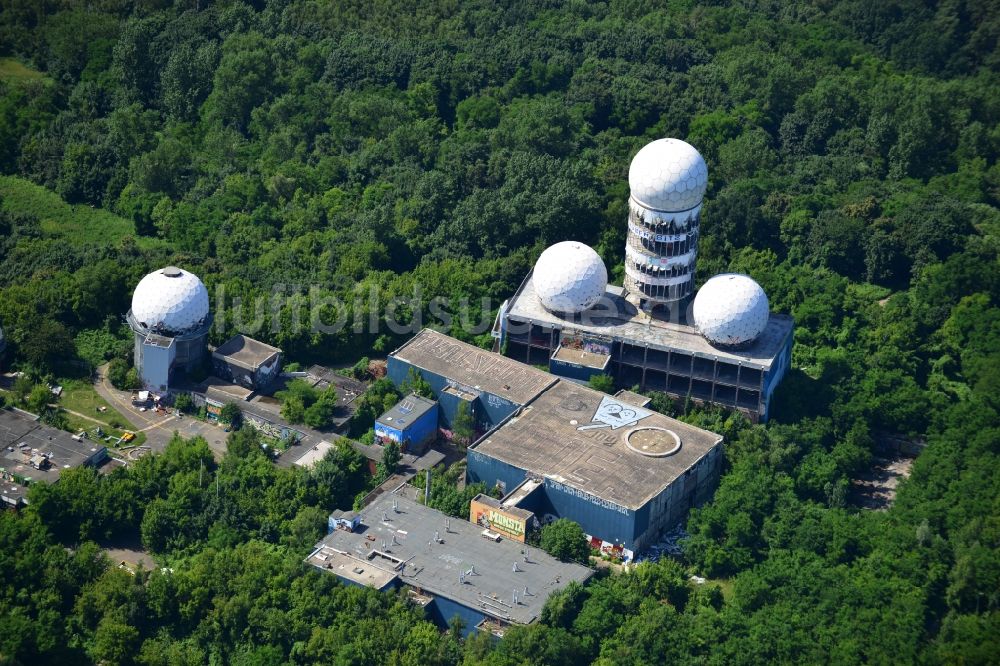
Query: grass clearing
{"x": 78, "y": 224}
{"x": 80, "y": 396}
{"x": 76, "y": 424}
{"x": 12, "y": 70}
{"x": 725, "y": 584}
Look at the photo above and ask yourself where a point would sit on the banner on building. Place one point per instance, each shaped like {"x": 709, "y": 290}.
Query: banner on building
{"x": 498, "y": 520}
{"x": 213, "y": 409}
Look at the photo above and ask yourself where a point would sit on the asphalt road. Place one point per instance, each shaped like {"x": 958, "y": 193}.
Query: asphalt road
{"x": 160, "y": 428}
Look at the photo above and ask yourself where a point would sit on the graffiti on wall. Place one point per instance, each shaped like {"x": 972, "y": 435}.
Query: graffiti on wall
{"x": 385, "y": 434}
{"x": 213, "y": 409}
{"x": 497, "y": 520}
{"x": 584, "y": 495}
{"x": 586, "y": 344}
{"x": 269, "y": 429}
{"x": 613, "y": 550}
{"x": 497, "y": 401}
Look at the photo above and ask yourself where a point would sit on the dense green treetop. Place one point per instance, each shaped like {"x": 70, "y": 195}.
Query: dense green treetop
{"x": 353, "y": 154}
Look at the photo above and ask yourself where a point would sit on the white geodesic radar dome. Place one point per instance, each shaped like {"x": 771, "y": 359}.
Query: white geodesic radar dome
{"x": 569, "y": 277}
{"x": 170, "y": 300}
{"x": 731, "y": 309}
{"x": 669, "y": 175}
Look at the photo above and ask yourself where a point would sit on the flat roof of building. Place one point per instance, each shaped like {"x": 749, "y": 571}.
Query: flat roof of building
{"x": 314, "y": 454}
{"x": 473, "y": 367}
{"x": 245, "y": 352}
{"x": 344, "y": 514}
{"x": 523, "y": 489}
{"x": 348, "y": 388}
{"x": 633, "y": 398}
{"x": 582, "y": 357}
{"x": 616, "y": 318}
{"x": 156, "y": 340}
{"x": 348, "y": 566}
{"x": 510, "y": 507}
{"x": 12, "y": 494}
{"x": 437, "y": 551}
{"x": 579, "y": 437}
{"x": 405, "y": 412}
{"x": 222, "y": 391}
{"x": 22, "y": 435}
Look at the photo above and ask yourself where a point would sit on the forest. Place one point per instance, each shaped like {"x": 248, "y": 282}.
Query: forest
{"x": 381, "y": 154}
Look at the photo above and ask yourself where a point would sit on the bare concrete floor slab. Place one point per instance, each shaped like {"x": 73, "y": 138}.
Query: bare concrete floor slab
{"x": 876, "y": 489}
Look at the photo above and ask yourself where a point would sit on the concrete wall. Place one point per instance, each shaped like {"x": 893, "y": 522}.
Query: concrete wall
{"x": 572, "y": 370}
{"x": 268, "y": 371}
{"x": 191, "y": 350}
{"x": 633, "y": 529}
{"x": 449, "y": 407}
{"x": 484, "y": 469}
{"x": 615, "y": 524}
{"x": 442, "y": 610}
{"x": 156, "y": 364}
{"x": 270, "y": 428}
{"x": 776, "y": 374}
{"x": 233, "y": 373}
{"x": 237, "y": 374}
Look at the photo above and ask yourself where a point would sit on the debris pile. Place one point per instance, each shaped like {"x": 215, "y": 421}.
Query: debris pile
{"x": 669, "y": 544}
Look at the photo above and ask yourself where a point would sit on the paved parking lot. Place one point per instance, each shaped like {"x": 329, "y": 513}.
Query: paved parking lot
{"x": 159, "y": 428}
{"x": 188, "y": 427}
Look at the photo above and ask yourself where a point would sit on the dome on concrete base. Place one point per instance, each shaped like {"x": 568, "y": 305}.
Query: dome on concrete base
{"x": 170, "y": 300}
{"x": 731, "y": 310}
{"x": 668, "y": 175}
{"x": 569, "y": 277}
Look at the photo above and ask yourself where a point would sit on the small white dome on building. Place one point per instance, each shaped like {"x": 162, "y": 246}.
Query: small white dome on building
{"x": 731, "y": 309}
{"x": 569, "y": 277}
{"x": 668, "y": 175}
{"x": 170, "y": 300}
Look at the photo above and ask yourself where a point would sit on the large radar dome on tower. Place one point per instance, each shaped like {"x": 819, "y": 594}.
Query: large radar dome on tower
{"x": 667, "y": 178}
{"x": 569, "y": 277}
{"x": 731, "y": 310}
{"x": 170, "y": 300}
{"x": 668, "y": 175}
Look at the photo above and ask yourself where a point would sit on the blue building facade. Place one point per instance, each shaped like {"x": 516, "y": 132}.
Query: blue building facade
{"x": 598, "y": 518}
{"x": 573, "y": 371}
{"x": 610, "y": 525}
{"x": 412, "y": 423}
{"x": 488, "y": 410}
{"x": 775, "y": 374}
{"x": 440, "y": 610}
